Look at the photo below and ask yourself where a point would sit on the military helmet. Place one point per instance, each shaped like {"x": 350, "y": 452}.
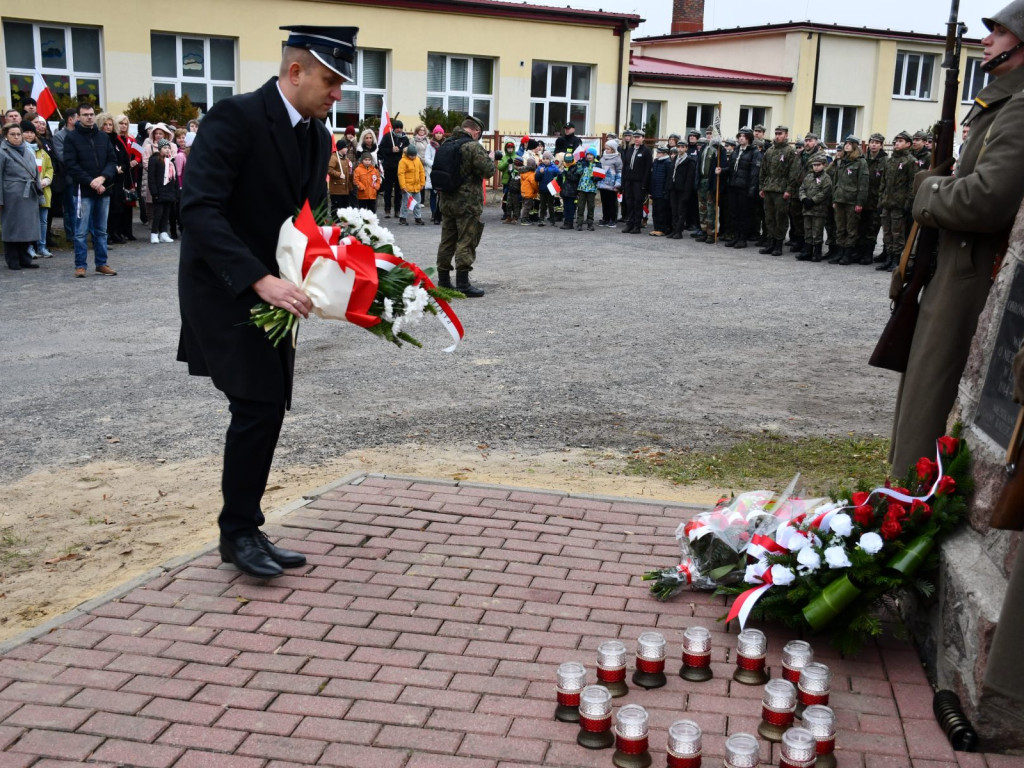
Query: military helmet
{"x": 877, "y": 137}
{"x": 1011, "y": 17}
{"x": 903, "y": 135}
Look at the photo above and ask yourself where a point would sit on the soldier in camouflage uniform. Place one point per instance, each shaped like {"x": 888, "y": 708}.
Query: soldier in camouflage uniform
{"x": 871, "y": 218}
{"x": 461, "y": 226}
{"x": 849, "y": 196}
{"x": 920, "y": 152}
{"x": 779, "y": 169}
{"x": 706, "y": 197}
{"x": 815, "y": 197}
{"x": 797, "y": 235}
{"x": 830, "y": 219}
{"x": 896, "y": 196}
{"x": 762, "y": 144}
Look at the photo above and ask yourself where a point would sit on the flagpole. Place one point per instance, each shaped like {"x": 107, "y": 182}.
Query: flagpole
{"x": 718, "y": 174}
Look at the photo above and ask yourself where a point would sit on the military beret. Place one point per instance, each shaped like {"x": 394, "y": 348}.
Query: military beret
{"x": 814, "y": 136}
{"x": 782, "y": 128}
{"x": 851, "y": 139}
{"x": 920, "y": 135}
{"x": 903, "y": 135}
{"x": 877, "y": 137}
{"x": 475, "y": 120}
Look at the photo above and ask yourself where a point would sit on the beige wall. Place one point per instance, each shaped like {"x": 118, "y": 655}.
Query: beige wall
{"x": 408, "y": 35}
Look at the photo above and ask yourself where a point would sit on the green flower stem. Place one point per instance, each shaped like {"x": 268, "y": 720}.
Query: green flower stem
{"x": 836, "y": 596}
{"x": 913, "y": 556}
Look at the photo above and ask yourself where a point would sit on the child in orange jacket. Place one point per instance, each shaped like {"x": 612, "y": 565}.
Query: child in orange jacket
{"x": 411, "y": 178}
{"x": 530, "y": 189}
{"x": 367, "y": 181}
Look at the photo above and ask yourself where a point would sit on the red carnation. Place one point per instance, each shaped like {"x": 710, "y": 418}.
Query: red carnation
{"x": 896, "y": 511}
{"x": 864, "y": 515}
{"x": 891, "y": 528}
{"x": 921, "y": 510}
{"x": 860, "y": 498}
{"x": 947, "y": 485}
{"x": 948, "y": 445}
{"x": 926, "y": 469}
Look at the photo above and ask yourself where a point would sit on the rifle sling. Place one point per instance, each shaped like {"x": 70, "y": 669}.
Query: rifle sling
{"x": 907, "y": 248}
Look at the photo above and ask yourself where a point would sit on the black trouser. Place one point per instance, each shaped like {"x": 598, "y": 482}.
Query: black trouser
{"x": 662, "y": 214}
{"x": 691, "y": 213}
{"x": 16, "y": 254}
{"x": 248, "y": 454}
{"x": 161, "y": 216}
{"x": 609, "y": 206}
{"x": 633, "y": 197}
{"x": 390, "y": 191}
{"x": 741, "y": 209}
{"x": 680, "y": 210}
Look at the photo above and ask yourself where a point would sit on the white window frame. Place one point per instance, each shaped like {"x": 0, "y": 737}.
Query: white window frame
{"x": 970, "y": 73}
{"x": 748, "y": 118}
{"x": 207, "y": 79}
{"x": 645, "y": 113}
{"x": 568, "y": 100}
{"x": 925, "y": 62}
{"x": 842, "y": 112}
{"x": 705, "y": 116}
{"x": 472, "y": 62}
{"x": 50, "y": 74}
{"x": 360, "y": 90}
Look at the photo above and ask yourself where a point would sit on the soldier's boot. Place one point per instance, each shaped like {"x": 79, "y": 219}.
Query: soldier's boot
{"x": 462, "y": 284}
{"x": 837, "y": 255}
{"x": 797, "y": 246}
{"x": 866, "y": 258}
{"x": 777, "y": 250}
{"x": 888, "y": 265}
{"x": 805, "y": 253}
{"x": 881, "y": 258}
{"x": 769, "y": 246}
{"x": 764, "y": 240}
{"x": 816, "y": 253}
{"x": 740, "y": 244}
{"x": 731, "y": 242}
{"x": 849, "y": 257}
{"x": 444, "y": 278}
{"x": 700, "y": 237}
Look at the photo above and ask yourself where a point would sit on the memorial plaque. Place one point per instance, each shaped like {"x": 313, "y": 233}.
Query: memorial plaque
{"x": 997, "y": 412}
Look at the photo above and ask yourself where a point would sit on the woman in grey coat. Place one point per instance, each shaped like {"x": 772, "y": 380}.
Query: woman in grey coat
{"x": 19, "y": 199}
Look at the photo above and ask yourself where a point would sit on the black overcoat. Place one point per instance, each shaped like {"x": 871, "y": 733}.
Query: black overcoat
{"x": 244, "y": 180}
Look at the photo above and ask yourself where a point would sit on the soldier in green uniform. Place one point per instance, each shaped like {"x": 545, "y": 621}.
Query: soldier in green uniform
{"x": 761, "y": 144}
{"x": 830, "y": 219}
{"x": 920, "y": 152}
{"x": 797, "y": 235}
{"x": 871, "y": 218}
{"x": 724, "y": 214}
{"x": 779, "y": 169}
{"x": 706, "y": 190}
{"x": 895, "y": 197}
{"x": 849, "y": 195}
{"x": 461, "y": 226}
{"x": 815, "y": 198}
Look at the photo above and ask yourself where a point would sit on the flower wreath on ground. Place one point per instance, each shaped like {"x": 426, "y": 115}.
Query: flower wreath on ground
{"x": 817, "y": 563}
{"x": 350, "y": 268}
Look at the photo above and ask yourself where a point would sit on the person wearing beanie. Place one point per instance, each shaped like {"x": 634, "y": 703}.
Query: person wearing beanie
{"x": 163, "y": 187}
{"x": 661, "y": 169}
{"x": 366, "y": 177}
{"x": 587, "y": 190}
{"x": 389, "y": 155}
{"x": 504, "y": 161}
{"x": 569, "y": 181}
{"x": 339, "y": 176}
{"x": 546, "y": 172}
{"x": 609, "y": 186}
{"x": 412, "y": 179}
{"x": 529, "y": 188}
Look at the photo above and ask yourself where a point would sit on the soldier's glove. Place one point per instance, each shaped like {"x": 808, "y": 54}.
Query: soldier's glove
{"x": 808, "y": 203}
{"x": 1018, "y": 376}
{"x": 940, "y": 170}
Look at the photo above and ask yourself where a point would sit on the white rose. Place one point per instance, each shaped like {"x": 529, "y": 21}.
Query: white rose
{"x": 842, "y": 524}
{"x": 871, "y": 543}
{"x": 797, "y": 542}
{"x": 836, "y": 557}
{"x": 752, "y": 574}
{"x": 809, "y": 560}
{"x": 781, "y": 575}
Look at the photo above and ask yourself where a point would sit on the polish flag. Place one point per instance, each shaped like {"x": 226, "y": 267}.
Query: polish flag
{"x": 45, "y": 105}
{"x": 385, "y": 122}
{"x": 411, "y": 205}
{"x": 554, "y": 188}
{"x": 599, "y": 172}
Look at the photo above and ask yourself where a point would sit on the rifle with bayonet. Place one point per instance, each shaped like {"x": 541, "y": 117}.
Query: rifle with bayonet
{"x": 893, "y": 348}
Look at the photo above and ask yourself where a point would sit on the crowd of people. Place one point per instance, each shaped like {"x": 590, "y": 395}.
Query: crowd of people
{"x": 92, "y": 173}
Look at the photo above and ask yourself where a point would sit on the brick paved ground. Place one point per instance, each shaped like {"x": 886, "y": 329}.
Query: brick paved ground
{"x": 425, "y": 631}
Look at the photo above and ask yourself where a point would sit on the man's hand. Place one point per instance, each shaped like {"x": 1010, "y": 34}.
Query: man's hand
{"x": 785, "y": 195}
{"x": 97, "y": 184}
{"x": 280, "y": 293}
{"x": 858, "y": 208}
{"x": 761, "y": 194}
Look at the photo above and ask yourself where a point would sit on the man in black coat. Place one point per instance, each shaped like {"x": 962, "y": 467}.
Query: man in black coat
{"x": 89, "y": 159}
{"x": 636, "y": 180}
{"x": 392, "y": 146}
{"x": 259, "y": 157}
{"x": 568, "y": 141}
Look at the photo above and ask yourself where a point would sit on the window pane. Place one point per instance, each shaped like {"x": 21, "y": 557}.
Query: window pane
{"x": 910, "y": 87}
{"x": 85, "y": 46}
{"x": 831, "y": 123}
{"x": 222, "y": 59}
{"x": 653, "y": 109}
{"x": 373, "y": 105}
{"x": 87, "y": 89}
{"x": 636, "y": 113}
{"x": 196, "y": 93}
{"x": 163, "y": 88}
{"x": 460, "y": 75}
{"x": 53, "y": 48}
{"x": 482, "y": 110}
{"x": 927, "y": 64}
{"x": 559, "y": 81}
{"x": 458, "y": 104}
{"x": 581, "y": 83}
{"x": 59, "y": 84}
{"x": 435, "y": 73}
{"x": 483, "y": 77}
{"x": 578, "y": 115}
{"x": 691, "y": 117}
{"x": 18, "y": 45}
{"x": 537, "y": 121}
{"x": 897, "y": 80}
{"x": 558, "y": 116}
{"x": 349, "y": 103}
{"x": 21, "y": 88}
{"x": 435, "y": 101}
{"x": 849, "y": 121}
{"x": 162, "y": 55}
{"x": 539, "y": 81}
{"x": 816, "y": 121}
{"x": 222, "y": 92}
{"x": 375, "y": 70}
{"x": 193, "y": 58}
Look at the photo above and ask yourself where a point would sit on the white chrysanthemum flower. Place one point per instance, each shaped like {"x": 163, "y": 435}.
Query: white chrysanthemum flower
{"x": 809, "y": 560}
{"x": 842, "y": 524}
{"x": 397, "y": 325}
{"x": 415, "y": 299}
{"x": 871, "y": 543}
{"x": 389, "y": 310}
{"x": 836, "y": 557}
{"x": 781, "y": 575}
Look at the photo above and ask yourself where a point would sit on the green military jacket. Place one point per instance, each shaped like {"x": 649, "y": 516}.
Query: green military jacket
{"x": 706, "y": 170}
{"x": 780, "y": 169}
{"x": 923, "y": 158}
{"x": 818, "y": 189}
{"x": 851, "y": 185}
{"x": 476, "y": 166}
{"x": 897, "y": 188}
{"x": 876, "y": 169}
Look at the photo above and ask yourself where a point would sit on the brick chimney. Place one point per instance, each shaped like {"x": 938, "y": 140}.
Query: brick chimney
{"x": 687, "y": 16}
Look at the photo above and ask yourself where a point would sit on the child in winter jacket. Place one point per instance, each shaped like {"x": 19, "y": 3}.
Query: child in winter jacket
{"x": 587, "y": 190}
{"x": 661, "y": 169}
{"x": 569, "y": 180}
{"x": 367, "y": 181}
{"x": 412, "y": 177}
{"x": 609, "y": 186}
{"x": 339, "y": 176}
{"x": 163, "y": 188}
{"x": 547, "y": 172}
{"x": 530, "y": 190}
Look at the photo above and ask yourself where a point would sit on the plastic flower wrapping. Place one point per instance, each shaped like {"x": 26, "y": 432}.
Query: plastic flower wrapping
{"x": 814, "y": 563}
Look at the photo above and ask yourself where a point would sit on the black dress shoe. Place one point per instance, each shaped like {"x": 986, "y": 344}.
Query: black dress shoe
{"x": 286, "y": 558}
{"x": 30, "y": 265}
{"x": 245, "y": 551}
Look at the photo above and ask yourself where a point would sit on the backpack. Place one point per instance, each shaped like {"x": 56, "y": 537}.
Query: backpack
{"x": 446, "y": 175}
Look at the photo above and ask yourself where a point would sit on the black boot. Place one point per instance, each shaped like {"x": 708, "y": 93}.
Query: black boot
{"x": 837, "y": 255}
{"x": 769, "y": 246}
{"x": 816, "y": 253}
{"x": 886, "y": 265}
{"x": 730, "y": 242}
{"x": 444, "y": 278}
{"x": 777, "y": 250}
{"x": 805, "y": 253}
{"x": 848, "y": 257}
{"x": 866, "y": 259}
{"x": 462, "y": 284}
{"x": 797, "y": 246}
{"x": 740, "y": 244}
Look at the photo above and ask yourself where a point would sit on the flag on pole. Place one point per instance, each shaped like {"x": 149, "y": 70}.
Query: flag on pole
{"x": 385, "y": 121}
{"x": 716, "y": 134}
{"x": 599, "y": 172}
{"x": 554, "y": 188}
{"x": 45, "y": 104}
{"x": 411, "y": 205}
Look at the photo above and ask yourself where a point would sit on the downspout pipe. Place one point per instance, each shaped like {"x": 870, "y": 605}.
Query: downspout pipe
{"x": 618, "y": 91}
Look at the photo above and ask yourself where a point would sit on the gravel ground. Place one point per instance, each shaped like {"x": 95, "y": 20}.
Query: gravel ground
{"x": 585, "y": 339}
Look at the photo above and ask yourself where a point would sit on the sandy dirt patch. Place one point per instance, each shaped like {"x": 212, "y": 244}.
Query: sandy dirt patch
{"x": 71, "y": 534}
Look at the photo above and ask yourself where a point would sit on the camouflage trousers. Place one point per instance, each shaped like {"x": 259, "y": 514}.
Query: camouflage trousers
{"x": 776, "y": 215}
{"x": 461, "y": 229}
{"x": 894, "y": 231}
{"x": 870, "y": 223}
{"x": 813, "y": 227}
{"x": 847, "y": 225}
{"x": 707, "y": 209}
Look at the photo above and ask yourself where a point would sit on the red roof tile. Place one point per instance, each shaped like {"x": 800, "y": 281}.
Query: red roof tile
{"x": 647, "y": 68}
{"x": 522, "y": 11}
